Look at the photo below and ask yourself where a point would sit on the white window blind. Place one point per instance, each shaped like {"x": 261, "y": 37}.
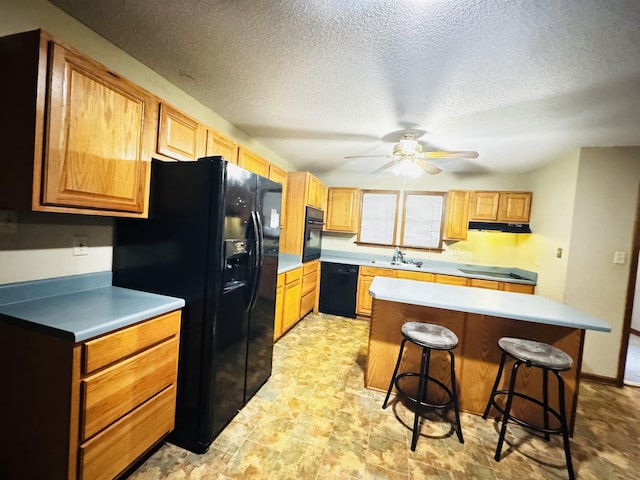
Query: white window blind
{"x": 378, "y": 217}
{"x": 422, "y": 220}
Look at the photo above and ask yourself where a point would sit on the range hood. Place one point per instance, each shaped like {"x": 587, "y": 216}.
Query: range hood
{"x": 501, "y": 227}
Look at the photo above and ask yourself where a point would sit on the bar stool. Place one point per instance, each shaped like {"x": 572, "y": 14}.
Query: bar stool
{"x": 429, "y": 337}
{"x": 549, "y": 359}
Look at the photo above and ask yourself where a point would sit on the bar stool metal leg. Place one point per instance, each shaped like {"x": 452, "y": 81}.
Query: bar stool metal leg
{"x": 422, "y": 386}
{"x": 545, "y": 400}
{"x": 454, "y": 397}
{"x": 495, "y": 386}
{"x": 395, "y": 372}
{"x": 563, "y": 425}
{"x": 507, "y": 409}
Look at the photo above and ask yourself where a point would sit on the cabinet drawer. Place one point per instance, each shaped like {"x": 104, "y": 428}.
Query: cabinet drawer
{"x": 451, "y": 280}
{"x": 306, "y": 303}
{"x": 111, "y": 451}
{"x": 377, "y": 272}
{"x": 310, "y": 267}
{"x": 309, "y": 283}
{"x": 480, "y": 283}
{"x": 293, "y": 275}
{"x": 105, "y": 350}
{"x": 420, "y": 276}
{"x": 115, "y": 391}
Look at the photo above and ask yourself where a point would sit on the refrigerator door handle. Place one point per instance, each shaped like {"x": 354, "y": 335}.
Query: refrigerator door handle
{"x": 257, "y": 259}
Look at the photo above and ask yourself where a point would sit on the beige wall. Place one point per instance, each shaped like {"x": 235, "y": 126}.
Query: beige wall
{"x": 42, "y": 246}
{"x": 553, "y": 187}
{"x": 606, "y": 196}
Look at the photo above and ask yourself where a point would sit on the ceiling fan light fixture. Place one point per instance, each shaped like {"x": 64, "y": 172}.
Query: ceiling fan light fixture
{"x": 406, "y": 168}
{"x": 408, "y": 145}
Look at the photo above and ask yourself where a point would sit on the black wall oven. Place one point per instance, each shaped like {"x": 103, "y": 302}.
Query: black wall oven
{"x": 313, "y": 221}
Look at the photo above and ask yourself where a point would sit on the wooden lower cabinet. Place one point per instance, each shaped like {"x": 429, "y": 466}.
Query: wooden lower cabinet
{"x": 291, "y": 298}
{"x": 309, "y": 286}
{"x": 87, "y": 410}
{"x": 278, "y": 320}
{"x": 365, "y": 279}
{"x": 367, "y": 274}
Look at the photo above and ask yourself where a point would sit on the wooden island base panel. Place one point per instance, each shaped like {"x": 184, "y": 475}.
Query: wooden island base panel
{"x": 477, "y": 355}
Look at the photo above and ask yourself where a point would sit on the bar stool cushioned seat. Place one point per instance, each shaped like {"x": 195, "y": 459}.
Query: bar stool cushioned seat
{"x": 430, "y": 337}
{"x": 549, "y": 359}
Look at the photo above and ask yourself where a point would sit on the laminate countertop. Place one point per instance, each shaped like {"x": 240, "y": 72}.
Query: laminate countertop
{"x": 496, "y": 303}
{"x": 80, "y": 307}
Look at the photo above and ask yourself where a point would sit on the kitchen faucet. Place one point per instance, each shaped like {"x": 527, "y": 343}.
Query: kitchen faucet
{"x": 397, "y": 255}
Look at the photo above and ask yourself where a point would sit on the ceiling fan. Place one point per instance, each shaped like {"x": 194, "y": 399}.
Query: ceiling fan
{"x": 410, "y": 160}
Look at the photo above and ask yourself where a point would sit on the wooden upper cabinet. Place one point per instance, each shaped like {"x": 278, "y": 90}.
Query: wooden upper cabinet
{"x": 515, "y": 207}
{"x": 180, "y": 137}
{"x": 253, "y": 162}
{"x": 79, "y": 138}
{"x": 94, "y": 155}
{"x": 321, "y": 196}
{"x": 457, "y": 215}
{"x": 218, "y": 144}
{"x": 508, "y": 207}
{"x": 483, "y": 206}
{"x": 343, "y": 205}
{"x": 277, "y": 174}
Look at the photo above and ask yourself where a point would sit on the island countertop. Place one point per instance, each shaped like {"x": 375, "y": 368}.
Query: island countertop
{"x": 517, "y": 306}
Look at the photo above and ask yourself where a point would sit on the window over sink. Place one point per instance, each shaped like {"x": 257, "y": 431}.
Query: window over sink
{"x": 413, "y": 220}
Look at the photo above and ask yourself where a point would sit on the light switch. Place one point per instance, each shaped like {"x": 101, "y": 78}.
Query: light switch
{"x": 619, "y": 257}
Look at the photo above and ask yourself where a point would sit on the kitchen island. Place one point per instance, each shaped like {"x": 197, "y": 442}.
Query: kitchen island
{"x": 479, "y": 318}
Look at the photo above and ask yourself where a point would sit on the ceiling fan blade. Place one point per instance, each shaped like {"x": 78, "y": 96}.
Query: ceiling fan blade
{"x": 430, "y": 168}
{"x": 385, "y": 167}
{"x": 370, "y": 156}
{"x": 459, "y": 154}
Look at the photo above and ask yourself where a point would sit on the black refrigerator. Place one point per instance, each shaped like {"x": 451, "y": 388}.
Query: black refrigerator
{"x": 211, "y": 238}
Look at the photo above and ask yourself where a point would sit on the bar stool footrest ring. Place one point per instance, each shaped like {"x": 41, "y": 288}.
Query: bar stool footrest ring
{"x": 521, "y": 422}
{"x": 419, "y": 403}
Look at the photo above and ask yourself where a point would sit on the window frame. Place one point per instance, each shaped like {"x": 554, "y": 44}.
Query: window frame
{"x": 396, "y": 193}
{"x": 400, "y": 218}
{"x": 403, "y": 218}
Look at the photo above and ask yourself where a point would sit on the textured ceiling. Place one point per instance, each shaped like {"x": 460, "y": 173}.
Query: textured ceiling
{"x": 519, "y": 81}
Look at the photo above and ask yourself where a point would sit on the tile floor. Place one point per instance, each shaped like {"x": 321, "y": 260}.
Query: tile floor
{"x": 315, "y": 420}
{"x": 632, "y": 367}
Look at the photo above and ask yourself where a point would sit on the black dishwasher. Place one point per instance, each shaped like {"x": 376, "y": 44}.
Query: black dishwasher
{"x": 338, "y": 287}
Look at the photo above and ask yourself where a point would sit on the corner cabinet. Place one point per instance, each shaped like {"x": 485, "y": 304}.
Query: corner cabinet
{"x": 88, "y": 410}
{"x": 343, "y": 205}
{"x": 77, "y": 137}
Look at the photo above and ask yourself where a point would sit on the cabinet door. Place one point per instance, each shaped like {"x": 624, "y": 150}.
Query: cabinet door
{"x": 220, "y": 145}
{"x": 342, "y": 210}
{"x": 365, "y": 279}
{"x": 514, "y": 207}
{"x": 180, "y": 137}
{"x": 277, "y": 325}
{"x": 253, "y": 163}
{"x": 484, "y": 206}
{"x": 292, "y": 294}
{"x": 100, "y": 137}
{"x": 321, "y": 196}
{"x": 277, "y": 174}
{"x": 457, "y": 215}
{"x": 312, "y": 190}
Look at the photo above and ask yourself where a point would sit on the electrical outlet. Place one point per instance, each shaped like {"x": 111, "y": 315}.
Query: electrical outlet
{"x": 619, "y": 257}
{"x": 80, "y": 245}
{"x": 8, "y": 221}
